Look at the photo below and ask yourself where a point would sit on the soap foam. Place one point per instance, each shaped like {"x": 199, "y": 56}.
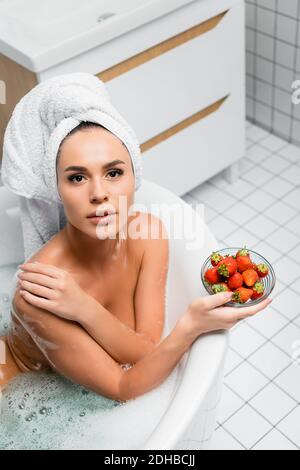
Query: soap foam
{"x": 43, "y": 410}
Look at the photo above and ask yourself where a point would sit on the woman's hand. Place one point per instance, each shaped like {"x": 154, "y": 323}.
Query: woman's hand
{"x": 206, "y": 314}
{"x": 53, "y": 289}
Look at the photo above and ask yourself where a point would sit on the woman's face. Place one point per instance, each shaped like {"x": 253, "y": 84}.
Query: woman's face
{"x": 99, "y": 184}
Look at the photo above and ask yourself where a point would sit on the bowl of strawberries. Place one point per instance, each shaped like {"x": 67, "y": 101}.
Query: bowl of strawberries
{"x": 244, "y": 272}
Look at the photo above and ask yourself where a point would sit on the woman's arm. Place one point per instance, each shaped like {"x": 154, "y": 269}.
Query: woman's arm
{"x": 72, "y": 352}
{"x": 149, "y": 305}
{"x": 121, "y": 342}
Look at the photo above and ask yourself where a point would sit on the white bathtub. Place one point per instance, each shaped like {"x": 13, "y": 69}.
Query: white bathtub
{"x": 34, "y": 32}
{"x": 189, "y": 420}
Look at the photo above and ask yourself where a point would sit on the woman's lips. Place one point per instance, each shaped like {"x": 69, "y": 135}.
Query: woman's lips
{"x": 105, "y": 220}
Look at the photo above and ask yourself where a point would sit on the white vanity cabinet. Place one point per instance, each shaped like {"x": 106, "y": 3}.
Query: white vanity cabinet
{"x": 177, "y": 77}
{"x": 187, "y": 105}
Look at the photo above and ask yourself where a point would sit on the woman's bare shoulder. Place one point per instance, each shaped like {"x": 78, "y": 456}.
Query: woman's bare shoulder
{"x": 51, "y": 253}
{"x": 150, "y": 227}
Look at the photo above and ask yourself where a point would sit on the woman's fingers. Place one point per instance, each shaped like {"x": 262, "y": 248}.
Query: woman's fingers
{"x": 36, "y": 301}
{"x": 244, "y": 312}
{"x": 216, "y": 300}
{"x": 42, "y": 268}
{"x": 41, "y": 279}
{"x": 38, "y": 290}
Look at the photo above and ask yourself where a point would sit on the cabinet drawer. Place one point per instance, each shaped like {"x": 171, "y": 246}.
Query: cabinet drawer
{"x": 176, "y": 83}
{"x": 199, "y": 151}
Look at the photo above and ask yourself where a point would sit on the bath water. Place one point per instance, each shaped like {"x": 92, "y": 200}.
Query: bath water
{"x": 43, "y": 410}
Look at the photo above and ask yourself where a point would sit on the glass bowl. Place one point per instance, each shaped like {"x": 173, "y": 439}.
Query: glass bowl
{"x": 268, "y": 281}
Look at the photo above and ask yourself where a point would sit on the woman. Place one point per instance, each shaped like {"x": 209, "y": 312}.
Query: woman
{"x": 93, "y": 297}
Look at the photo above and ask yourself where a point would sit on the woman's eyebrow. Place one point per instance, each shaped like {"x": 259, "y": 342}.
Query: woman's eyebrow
{"x": 82, "y": 168}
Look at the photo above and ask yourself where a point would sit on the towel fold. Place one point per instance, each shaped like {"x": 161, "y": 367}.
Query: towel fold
{"x": 39, "y": 123}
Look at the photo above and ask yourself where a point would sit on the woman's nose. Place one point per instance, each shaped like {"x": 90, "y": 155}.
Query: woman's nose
{"x": 98, "y": 191}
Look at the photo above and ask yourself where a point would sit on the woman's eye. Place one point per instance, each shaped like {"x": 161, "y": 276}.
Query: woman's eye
{"x": 72, "y": 178}
{"x": 119, "y": 172}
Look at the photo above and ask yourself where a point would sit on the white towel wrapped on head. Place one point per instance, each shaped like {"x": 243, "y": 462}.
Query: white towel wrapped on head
{"x": 38, "y": 125}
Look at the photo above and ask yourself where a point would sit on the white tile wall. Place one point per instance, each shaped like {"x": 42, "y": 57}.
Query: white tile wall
{"x": 273, "y": 64}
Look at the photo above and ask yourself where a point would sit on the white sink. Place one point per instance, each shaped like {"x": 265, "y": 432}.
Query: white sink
{"x": 42, "y": 33}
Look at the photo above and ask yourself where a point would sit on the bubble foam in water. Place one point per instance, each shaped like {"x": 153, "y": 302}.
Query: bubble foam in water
{"x": 43, "y": 410}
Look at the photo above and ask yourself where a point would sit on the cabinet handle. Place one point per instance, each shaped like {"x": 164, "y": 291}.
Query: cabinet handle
{"x": 160, "y": 48}
{"x": 183, "y": 124}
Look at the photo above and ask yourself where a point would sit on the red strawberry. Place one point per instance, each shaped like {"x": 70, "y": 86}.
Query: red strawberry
{"x": 235, "y": 281}
{"x": 242, "y": 252}
{"x": 244, "y": 263}
{"x": 250, "y": 277}
{"x": 258, "y": 290}
{"x": 212, "y": 276}
{"x": 262, "y": 270}
{"x": 227, "y": 267}
{"x": 215, "y": 258}
{"x": 221, "y": 287}
{"x": 242, "y": 295}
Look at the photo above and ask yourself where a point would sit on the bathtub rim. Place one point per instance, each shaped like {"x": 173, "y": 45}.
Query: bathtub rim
{"x": 210, "y": 352}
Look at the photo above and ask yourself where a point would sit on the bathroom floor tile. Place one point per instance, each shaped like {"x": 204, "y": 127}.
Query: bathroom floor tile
{"x": 240, "y": 189}
{"x": 273, "y": 403}
{"x": 294, "y": 224}
{"x": 244, "y": 165}
{"x": 247, "y": 426}
{"x": 276, "y": 164}
{"x": 269, "y": 252}
{"x": 260, "y": 200}
{"x": 222, "y": 440}
{"x": 228, "y": 405}
{"x": 283, "y": 240}
{"x": 262, "y": 226}
{"x": 204, "y": 192}
{"x": 209, "y": 214}
{"x": 287, "y": 271}
{"x": 267, "y": 322}
{"x": 281, "y": 213}
{"x": 255, "y": 133}
{"x": 277, "y": 187}
{"x": 221, "y": 201}
{"x": 240, "y": 238}
{"x": 274, "y": 440}
{"x": 258, "y": 176}
{"x": 245, "y": 340}
{"x": 293, "y": 197}
{"x": 273, "y": 143}
{"x": 295, "y": 286}
{"x": 223, "y": 225}
{"x": 295, "y": 254}
{"x": 279, "y": 288}
{"x": 287, "y": 303}
{"x": 292, "y": 174}
{"x": 291, "y": 153}
{"x": 287, "y": 339}
{"x": 290, "y": 426}
{"x": 257, "y": 154}
{"x": 246, "y": 381}
{"x": 269, "y": 360}
{"x": 297, "y": 321}
{"x": 240, "y": 213}
{"x": 232, "y": 360}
